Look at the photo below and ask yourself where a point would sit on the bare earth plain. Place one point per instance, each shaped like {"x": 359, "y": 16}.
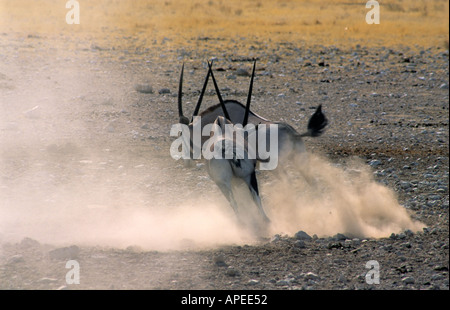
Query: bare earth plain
{"x": 86, "y": 173}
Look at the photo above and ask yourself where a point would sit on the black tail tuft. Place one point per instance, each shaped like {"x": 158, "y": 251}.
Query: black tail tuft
{"x": 317, "y": 123}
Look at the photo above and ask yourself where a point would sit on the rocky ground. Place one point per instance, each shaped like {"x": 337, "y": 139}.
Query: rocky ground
{"x": 96, "y": 118}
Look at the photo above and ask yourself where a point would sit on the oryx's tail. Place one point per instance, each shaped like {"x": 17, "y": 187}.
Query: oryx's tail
{"x": 316, "y": 124}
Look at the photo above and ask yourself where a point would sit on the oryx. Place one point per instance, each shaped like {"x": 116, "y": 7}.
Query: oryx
{"x": 288, "y": 142}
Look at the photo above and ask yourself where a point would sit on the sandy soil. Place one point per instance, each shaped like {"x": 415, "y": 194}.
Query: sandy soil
{"x": 86, "y": 173}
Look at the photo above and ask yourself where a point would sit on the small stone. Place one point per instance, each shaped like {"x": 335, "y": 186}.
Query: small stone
{"x": 437, "y": 277}
{"x": 65, "y": 253}
{"x": 47, "y": 280}
{"x": 231, "y": 272}
{"x": 405, "y": 185}
{"x": 252, "y": 282}
{"x": 342, "y": 278}
{"x": 311, "y": 276}
{"x": 300, "y": 244}
{"x": 408, "y": 280}
{"x": 408, "y": 233}
{"x": 16, "y": 259}
{"x": 29, "y": 243}
{"x": 339, "y": 237}
{"x": 393, "y": 236}
{"x": 164, "y": 91}
{"x": 374, "y": 163}
{"x": 440, "y": 268}
{"x": 407, "y": 245}
{"x": 144, "y": 88}
{"x": 242, "y": 72}
{"x": 282, "y": 283}
{"x": 356, "y": 242}
{"x": 334, "y": 245}
{"x": 347, "y": 243}
{"x": 301, "y": 235}
{"x": 275, "y": 238}
{"x": 219, "y": 260}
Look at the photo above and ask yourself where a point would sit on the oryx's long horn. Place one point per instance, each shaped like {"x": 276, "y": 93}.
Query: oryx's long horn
{"x": 182, "y": 118}
{"x": 225, "y": 113}
{"x": 197, "y": 107}
{"x": 249, "y": 97}
{"x": 180, "y": 90}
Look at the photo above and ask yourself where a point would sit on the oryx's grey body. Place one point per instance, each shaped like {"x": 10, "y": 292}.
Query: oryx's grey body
{"x": 290, "y": 142}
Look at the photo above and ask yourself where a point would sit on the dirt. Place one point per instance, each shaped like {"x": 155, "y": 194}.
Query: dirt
{"x": 86, "y": 172}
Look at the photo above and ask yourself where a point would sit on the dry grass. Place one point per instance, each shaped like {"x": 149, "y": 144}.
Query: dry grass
{"x": 340, "y": 23}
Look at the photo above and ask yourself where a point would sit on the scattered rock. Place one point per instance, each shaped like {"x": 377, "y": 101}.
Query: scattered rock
{"x": 282, "y": 283}
{"x": 334, "y": 245}
{"x": 144, "y": 88}
{"x": 232, "y": 272}
{"x": 29, "y": 243}
{"x": 311, "y": 276}
{"x": 163, "y": 91}
{"x": 219, "y": 260}
{"x": 301, "y": 235}
{"x": 408, "y": 280}
{"x": 65, "y": 253}
{"x": 300, "y": 244}
{"x": 47, "y": 280}
{"x": 374, "y": 163}
{"x": 242, "y": 72}
{"x": 16, "y": 259}
{"x": 393, "y": 236}
{"x": 340, "y": 237}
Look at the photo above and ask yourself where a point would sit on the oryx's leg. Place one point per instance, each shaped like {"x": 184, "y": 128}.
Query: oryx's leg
{"x": 252, "y": 184}
{"x": 221, "y": 173}
{"x": 228, "y": 193}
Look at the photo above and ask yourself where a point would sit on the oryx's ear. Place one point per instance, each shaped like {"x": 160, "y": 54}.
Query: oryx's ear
{"x": 225, "y": 112}
{"x": 197, "y": 107}
{"x": 249, "y": 97}
{"x": 182, "y": 118}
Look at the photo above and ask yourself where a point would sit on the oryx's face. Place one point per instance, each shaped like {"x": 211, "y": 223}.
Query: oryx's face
{"x": 221, "y": 122}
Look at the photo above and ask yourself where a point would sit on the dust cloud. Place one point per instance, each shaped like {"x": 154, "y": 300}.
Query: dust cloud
{"x": 83, "y": 205}
{"x": 184, "y": 227}
{"x": 323, "y": 198}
